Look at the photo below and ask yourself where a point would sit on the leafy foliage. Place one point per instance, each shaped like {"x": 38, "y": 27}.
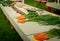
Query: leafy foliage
{"x": 43, "y": 19}
{"x": 53, "y": 33}
{"x": 6, "y": 3}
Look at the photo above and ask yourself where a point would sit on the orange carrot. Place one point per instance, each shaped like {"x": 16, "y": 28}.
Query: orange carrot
{"x": 21, "y": 21}
{"x": 41, "y": 36}
{"x": 21, "y": 17}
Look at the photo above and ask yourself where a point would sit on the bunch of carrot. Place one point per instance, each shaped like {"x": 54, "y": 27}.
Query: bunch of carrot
{"x": 41, "y": 36}
{"x": 21, "y": 19}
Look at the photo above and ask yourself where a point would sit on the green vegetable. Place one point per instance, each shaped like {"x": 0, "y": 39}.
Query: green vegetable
{"x": 6, "y": 3}
{"x": 50, "y": 19}
{"x": 53, "y": 33}
{"x": 43, "y": 19}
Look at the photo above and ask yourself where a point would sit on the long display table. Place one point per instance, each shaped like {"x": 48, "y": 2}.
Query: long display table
{"x": 28, "y": 29}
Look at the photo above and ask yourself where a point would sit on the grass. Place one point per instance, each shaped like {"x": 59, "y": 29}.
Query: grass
{"x": 29, "y": 2}
{"x": 40, "y": 5}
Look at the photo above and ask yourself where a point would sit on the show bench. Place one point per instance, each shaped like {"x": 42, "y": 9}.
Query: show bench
{"x": 27, "y": 29}
{"x": 53, "y": 5}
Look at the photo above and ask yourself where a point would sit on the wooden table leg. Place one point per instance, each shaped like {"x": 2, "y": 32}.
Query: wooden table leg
{"x": 12, "y": 27}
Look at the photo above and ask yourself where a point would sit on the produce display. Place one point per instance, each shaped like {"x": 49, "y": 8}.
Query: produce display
{"x": 43, "y": 19}
{"x": 47, "y": 19}
{"x": 33, "y": 16}
{"x": 47, "y": 35}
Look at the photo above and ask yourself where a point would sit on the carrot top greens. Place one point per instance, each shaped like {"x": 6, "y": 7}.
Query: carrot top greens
{"x": 43, "y": 19}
